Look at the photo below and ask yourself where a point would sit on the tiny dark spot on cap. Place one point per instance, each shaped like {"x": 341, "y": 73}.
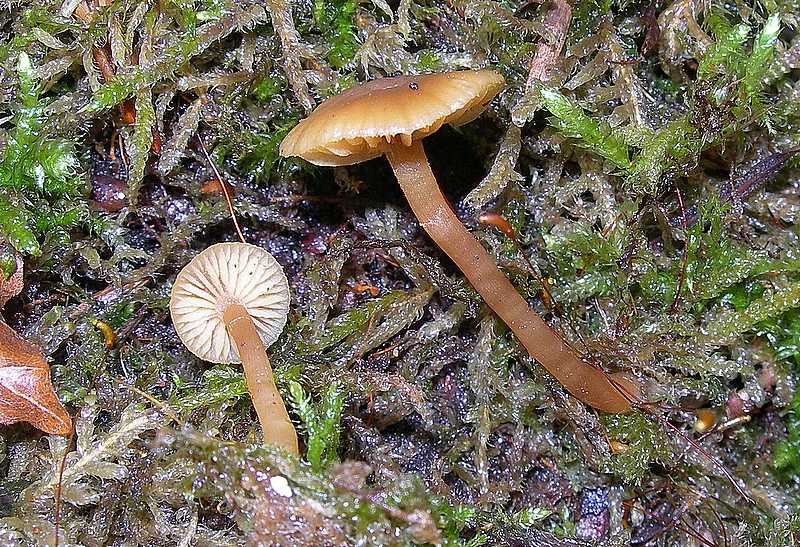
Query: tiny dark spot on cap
{"x": 413, "y": 85}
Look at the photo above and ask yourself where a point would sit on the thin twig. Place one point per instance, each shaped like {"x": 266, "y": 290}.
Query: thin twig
{"x": 690, "y": 530}
{"x": 159, "y": 404}
{"x": 61, "y": 466}
{"x": 684, "y": 255}
{"x": 719, "y": 521}
{"x": 739, "y": 188}
{"x": 719, "y": 465}
{"x": 557, "y": 20}
{"x": 225, "y": 192}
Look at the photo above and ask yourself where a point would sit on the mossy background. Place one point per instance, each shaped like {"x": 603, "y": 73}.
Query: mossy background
{"x": 656, "y": 202}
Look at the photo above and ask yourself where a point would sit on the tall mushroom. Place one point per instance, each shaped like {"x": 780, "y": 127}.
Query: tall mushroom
{"x": 390, "y": 117}
{"x": 227, "y": 305}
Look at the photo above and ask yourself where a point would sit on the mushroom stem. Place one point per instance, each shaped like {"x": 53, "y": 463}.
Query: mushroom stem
{"x": 585, "y": 382}
{"x": 272, "y": 415}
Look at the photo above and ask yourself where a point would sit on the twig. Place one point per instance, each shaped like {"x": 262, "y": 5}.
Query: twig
{"x": 557, "y": 20}
{"x": 761, "y": 172}
{"x": 719, "y": 521}
{"x": 689, "y": 529}
{"x": 738, "y": 189}
{"x": 61, "y": 466}
{"x": 718, "y": 464}
{"x": 159, "y": 404}
{"x": 224, "y": 191}
{"x": 684, "y": 255}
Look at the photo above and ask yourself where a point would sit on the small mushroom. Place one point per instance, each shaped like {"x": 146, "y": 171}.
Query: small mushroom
{"x": 229, "y": 304}
{"x": 390, "y": 117}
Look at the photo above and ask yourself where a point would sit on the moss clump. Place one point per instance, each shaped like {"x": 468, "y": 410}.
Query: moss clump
{"x": 334, "y": 18}
{"x": 595, "y": 135}
{"x": 643, "y": 444}
{"x": 39, "y": 174}
{"x": 321, "y": 423}
{"x": 654, "y": 197}
{"x": 786, "y": 457}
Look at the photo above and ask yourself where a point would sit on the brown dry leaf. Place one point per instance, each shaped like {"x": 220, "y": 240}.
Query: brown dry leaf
{"x": 26, "y": 393}
{"x": 11, "y": 287}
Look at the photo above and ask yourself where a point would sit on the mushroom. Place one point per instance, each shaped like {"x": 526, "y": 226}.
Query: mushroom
{"x": 227, "y": 305}
{"x": 390, "y": 117}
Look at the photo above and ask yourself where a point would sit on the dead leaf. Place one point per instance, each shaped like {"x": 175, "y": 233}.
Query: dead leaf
{"x": 11, "y": 287}
{"x": 26, "y": 392}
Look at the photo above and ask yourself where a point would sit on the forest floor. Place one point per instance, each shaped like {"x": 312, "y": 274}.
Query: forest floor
{"x": 644, "y": 153}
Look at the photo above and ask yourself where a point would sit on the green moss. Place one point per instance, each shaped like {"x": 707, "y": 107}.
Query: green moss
{"x": 585, "y": 15}
{"x": 714, "y": 261}
{"x": 320, "y": 422}
{"x": 266, "y": 88}
{"x": 587, "y": 261}
{"x": 119, "y": 314}
{"x": 646, "y": 444}
{"x": 14, "y": 224}
{"x": 140, "y": 142}
{"x": 727, "y": 51}
{"x": 185, "y": 12}
{"x": 594, "y": 135}
{"x": 658, "y": 286}
{"x": 39, "y": 174}
{"x": 117, "y": 89}
{"x": 427, "y": 61}
{"x": 255, "y": 149}
{"x": 219, "y": 384}
{"x": 786, "y": 456}
{"x": 772, "y": 304}
{"x": 334, "y": 18}
{"x": 171, "y": 58}
{"x": 783, "y": 333}
{"x": 673, "y": 147}
{"x": 261, "y": 153}
{"x": 726, "y": 98}
{"x": 353, "y": 321}
{"x": 757, "y": 64}
{"x": 452, "y": 520}
{"x": 8, "y": 264}
{"x": 742, "y": 295}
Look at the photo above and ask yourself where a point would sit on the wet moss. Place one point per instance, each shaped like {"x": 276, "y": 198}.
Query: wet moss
{"x": 655, "y": 223}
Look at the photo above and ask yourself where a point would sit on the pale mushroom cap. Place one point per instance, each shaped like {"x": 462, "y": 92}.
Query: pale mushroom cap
{"x": 221, "y": 275}
{"x": 359, "y": 124}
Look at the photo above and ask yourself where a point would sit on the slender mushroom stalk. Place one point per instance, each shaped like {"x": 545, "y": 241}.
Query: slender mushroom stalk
{"x": 272, "y": 415}
{"x": 413, "y": 172}
{"x": 390, "y": 117}
{"x": 228, "y": 304}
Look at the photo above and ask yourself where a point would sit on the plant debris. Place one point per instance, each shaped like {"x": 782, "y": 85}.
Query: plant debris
{"x": 26, "y": 393}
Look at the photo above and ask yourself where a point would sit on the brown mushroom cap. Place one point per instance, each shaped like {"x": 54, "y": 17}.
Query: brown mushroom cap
{"x": 221, "y": 275}
{"x": 358, "y": 124}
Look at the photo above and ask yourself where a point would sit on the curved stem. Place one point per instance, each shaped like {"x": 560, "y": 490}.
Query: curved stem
{"x": 272, "y": 415}
{"x": 590, "y": 385}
